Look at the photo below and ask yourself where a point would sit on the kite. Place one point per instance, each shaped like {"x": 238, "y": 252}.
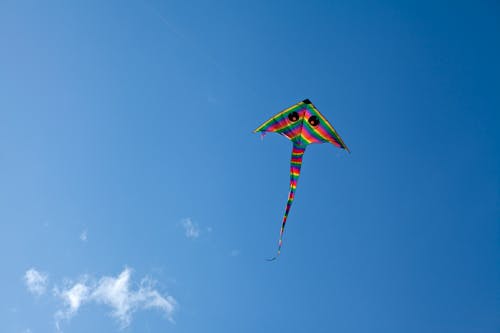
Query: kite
{"x": 303, "y": 124}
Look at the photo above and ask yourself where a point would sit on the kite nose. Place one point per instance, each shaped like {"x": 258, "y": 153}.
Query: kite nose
{"x": 307, "y": 101}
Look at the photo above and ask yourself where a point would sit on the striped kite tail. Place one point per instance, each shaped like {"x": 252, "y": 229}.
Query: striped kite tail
{"x": 295, "y": 164}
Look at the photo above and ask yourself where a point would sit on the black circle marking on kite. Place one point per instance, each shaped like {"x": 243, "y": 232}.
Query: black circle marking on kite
{"x": 313, "y": 120}
{"x": 294, "y": 116}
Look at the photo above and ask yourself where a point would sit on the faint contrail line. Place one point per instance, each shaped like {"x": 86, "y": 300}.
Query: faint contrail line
{"x": 185, "y": 38}
{"x": 164, "y": 19}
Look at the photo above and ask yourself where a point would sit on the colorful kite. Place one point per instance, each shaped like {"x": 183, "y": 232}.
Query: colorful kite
{"x": 303, "y": 124}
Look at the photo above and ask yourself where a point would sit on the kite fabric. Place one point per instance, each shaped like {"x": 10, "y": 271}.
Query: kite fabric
{"x": 303, "y": 124}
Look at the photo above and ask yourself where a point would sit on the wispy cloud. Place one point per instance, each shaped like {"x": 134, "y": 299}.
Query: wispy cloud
{"x": 114, "y": 292}
{"x": 36, "y": 281}
{"x": 191, "y": 229}
{"x": 83, "y": 235}
{"x": 72, "y": 296}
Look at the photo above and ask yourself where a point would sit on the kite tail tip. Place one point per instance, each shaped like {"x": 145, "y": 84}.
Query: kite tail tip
{"x": 275, "y": 257}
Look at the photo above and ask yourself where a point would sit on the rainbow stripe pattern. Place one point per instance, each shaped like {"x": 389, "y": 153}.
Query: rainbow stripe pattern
{"x": 303, "y": 124}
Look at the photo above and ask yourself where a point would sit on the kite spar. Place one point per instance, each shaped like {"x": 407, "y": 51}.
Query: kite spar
{"x": 302, "y": 124}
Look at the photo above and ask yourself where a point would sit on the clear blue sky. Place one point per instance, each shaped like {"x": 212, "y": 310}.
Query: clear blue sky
{"x": 126, "y": 147}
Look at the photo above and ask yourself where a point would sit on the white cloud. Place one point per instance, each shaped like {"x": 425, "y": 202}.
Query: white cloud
{"x": 72, "y": 297}
{"x": 83, "y": 236}
{"x": 114, "y": 292}
{"x": 36, "y": 281}
{"x": 192, "y": 230}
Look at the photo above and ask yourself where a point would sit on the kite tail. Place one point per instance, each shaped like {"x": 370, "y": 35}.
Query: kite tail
{"x": 295, "y": 164}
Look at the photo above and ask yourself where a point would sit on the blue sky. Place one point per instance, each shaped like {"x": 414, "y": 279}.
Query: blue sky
{"x": 135, "y": 198}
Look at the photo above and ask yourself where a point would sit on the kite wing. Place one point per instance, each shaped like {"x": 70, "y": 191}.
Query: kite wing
{"x": 303, "y": 124}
